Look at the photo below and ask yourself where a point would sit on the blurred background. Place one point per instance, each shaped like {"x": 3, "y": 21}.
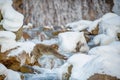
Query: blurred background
{"x": 60, "y": 12}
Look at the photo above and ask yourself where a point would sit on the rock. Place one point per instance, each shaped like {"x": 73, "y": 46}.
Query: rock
{"x": 2, "y": 77}
{"x": 25, "y": 69}
{"x": 95, "y": 31}
{"x": 11, "y": 63}
{"x": 66, "y": 76}
{"x": 19, "y": 33}
{"x": 26, "y": 36}
{"x": 102, "y": 77}
{"x": 118, "y": 36}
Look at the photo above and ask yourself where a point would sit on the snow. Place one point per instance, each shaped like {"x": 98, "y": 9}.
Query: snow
{"x": 68, "y": 40}
{"x": 109, "y": 26}
{"x": 2, "y": 69}
{"x": 7, "y": 35}
{"x": 7, "y": 38}
{"x": 79, "y": 25}
{"x": 93, "y": 25}
{"x": 110, "y": 21}
{"x": 103, "y": 59}
{"x": 82, "y": 64}
{"x": 103, "y": 39}
{"x": 28, "y": 26}
{"x": 9, "y": 73}
{"x": 23, "y": 46}
{"x": 12, "y": 20}
{"x": 110, "y": 55}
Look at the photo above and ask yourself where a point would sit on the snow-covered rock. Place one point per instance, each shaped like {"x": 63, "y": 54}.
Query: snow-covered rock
{"x": 68, "y": 41}
{"x": 7, "y": 35}
{"x": 103, "y": 39}
{"x": 107, "y": 21}
{"x": 12, "y": 20}
{"x": 10, "y": 74}
{"x": 22, "y": 53}
{"x": 7, "y": 40}
{"x": 93, "y": 25}
{"x": 110, "y": 55}
{"x": 112, "y": 48}
{"x": 28, "y": 26}
{"x": 83, "y": 66}
{"x": 110, "y": 21}
{"x": 79, "y": 25}
{"x": 2, "y": 69}
{"x": 101, "y": 60}
{"x": 23, "y": 46}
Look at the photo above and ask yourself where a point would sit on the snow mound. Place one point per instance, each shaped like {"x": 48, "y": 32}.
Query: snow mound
{"x": 83, "y": 66}
{"x": 110, "y": 55}
{"x": 103, "y": 39}
{"x": 107, "y": 21}
{"x": 7, "y": 40}
{"x": 7, "y": 35}
{"x": 69, "y": 40}
{"x": 12, "y": 20}
{"x": 101, "y": 60}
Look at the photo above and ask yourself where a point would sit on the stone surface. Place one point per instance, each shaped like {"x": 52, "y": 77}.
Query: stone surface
{"x": 102, "y": 77}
